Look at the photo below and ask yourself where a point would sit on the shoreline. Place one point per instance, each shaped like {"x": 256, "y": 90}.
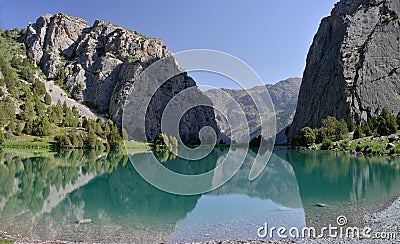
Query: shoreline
{"x": 385, "y": 221}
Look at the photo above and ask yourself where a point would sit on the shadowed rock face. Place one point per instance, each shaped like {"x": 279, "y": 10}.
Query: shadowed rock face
{"x": 353, "y": 68}
{"x": 102, "y": 62}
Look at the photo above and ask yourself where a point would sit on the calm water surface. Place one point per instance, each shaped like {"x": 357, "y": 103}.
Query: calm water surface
{"x": 42, "y": 196}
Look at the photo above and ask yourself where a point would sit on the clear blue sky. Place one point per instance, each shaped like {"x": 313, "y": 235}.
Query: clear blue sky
{"x": 273, "y": 37}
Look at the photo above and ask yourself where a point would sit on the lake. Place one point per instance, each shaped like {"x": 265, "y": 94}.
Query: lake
{"x": 42, "y": 195}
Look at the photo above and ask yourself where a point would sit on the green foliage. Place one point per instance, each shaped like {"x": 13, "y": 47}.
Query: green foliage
{"x": 366, "y": 129}
{"x": 28, "y": 126}
{"x": 40, "y": 108}
{"x": 62, "y": 141}
{"x": 305, "y": 137}
{"x": 6, "y": 111}
{"x": 358, "y": 132}
{"x": 327, "y": 144}
{"x": 167, "y": 143}
{"x": 28, "y": 110}
{"x": 334, "y": 129}
{"x": 386, "y": 123}
{"x": 47, "y": 99}
{"x": 72, "y": 140}
{"x": 2, "y": 138}
{"x": 92, "y": 142}
{"x": 60, "y": 77}
{"x": 114, "y": 138}
{"x": 12, "y": 126}
{"x": 351, "y": 126}
{"x": 320, "y": 135}
{"x": 70, "y": 120}
{"x": 38, "y": 88}
{"x": 57, "y": 114}
{"x": 41, "y": 126}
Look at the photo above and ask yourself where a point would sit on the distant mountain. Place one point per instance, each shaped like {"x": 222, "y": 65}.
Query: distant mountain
{"x": 283, "y": 95}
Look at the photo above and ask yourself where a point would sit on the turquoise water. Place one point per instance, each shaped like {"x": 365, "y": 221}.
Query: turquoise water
{"x": 42, "y": 195}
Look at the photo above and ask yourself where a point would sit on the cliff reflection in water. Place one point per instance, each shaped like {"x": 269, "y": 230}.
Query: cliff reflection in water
{"x": 42, "y": 195}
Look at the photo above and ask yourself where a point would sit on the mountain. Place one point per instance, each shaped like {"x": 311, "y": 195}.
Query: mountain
{"x": 283, "y": 95}
{"x": 353, "y": 68}
{"x": 99, "y": 64}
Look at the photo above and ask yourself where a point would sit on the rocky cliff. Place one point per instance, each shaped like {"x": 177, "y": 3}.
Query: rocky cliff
{"x": 98, "y": 65}
{"x": 353, "y": 65}
{"x": 283, "y": 95}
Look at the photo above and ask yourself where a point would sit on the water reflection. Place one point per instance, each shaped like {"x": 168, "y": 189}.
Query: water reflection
{"x": 41, "y": 196}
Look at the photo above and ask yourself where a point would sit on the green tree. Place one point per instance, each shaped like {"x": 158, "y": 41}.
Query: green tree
{"x": 40, "y": 108}
{"x": 28, "y": 126}
{"x": 114, "y": 139}
{"x": 38, "y": 88}
{"x": 62, "y": 141}
{"x": 320, "y": 135}
{"x": 305, "y": 137}
{"x": 366, "y": 129}
{"x": 386, "y": 123}
{"x": 47, "y": 99}
{"x": 358, "y": 132}
{"x": 28, "y": 110}
{"x": 91, "y": 139}
{"x": 57, "y": 113}
{"x": 41, "y": 126}
{"x": 398, "y": 119}
{"x": 351, "y": 126}
{"x": 335, "y": 130}
{"x": 69, "y": 119}
{"x": 76, "y": 140}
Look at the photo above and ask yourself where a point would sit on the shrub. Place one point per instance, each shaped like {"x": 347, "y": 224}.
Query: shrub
{"x": 305, "y": 137}
{"x": 62, "y": 141}
{"x": 320, "y": 135}
{"x": 335, "y": 130}
{"x": 327, "y": 144}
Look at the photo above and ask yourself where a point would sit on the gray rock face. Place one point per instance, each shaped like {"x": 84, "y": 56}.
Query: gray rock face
{"x": 102, "y": 62}
{"x": 283, "y": 95}
{"x": 353, "y": 65}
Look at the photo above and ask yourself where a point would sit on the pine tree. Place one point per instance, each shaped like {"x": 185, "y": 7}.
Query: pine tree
{"x": 29, "y": 110}
{"x": 358, "y": 132}
{"x": 91, "y": 139}
{"x": 28, "y": 126}
{"x": 38, "y": 88}
{"x": 57, "y": 115}
{"x": 41, "y": 126}
{"x": 114, "y": 138}
{"x": 69, "y": 119}
{"x": 47, "y": 99}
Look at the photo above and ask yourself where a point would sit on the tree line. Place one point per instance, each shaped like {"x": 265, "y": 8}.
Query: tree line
{"x": 332, "y": 130}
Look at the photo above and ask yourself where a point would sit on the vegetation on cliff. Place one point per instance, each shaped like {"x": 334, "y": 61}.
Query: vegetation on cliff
{"x": 377, "y": 136}
{"x": 27, "y": 116}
